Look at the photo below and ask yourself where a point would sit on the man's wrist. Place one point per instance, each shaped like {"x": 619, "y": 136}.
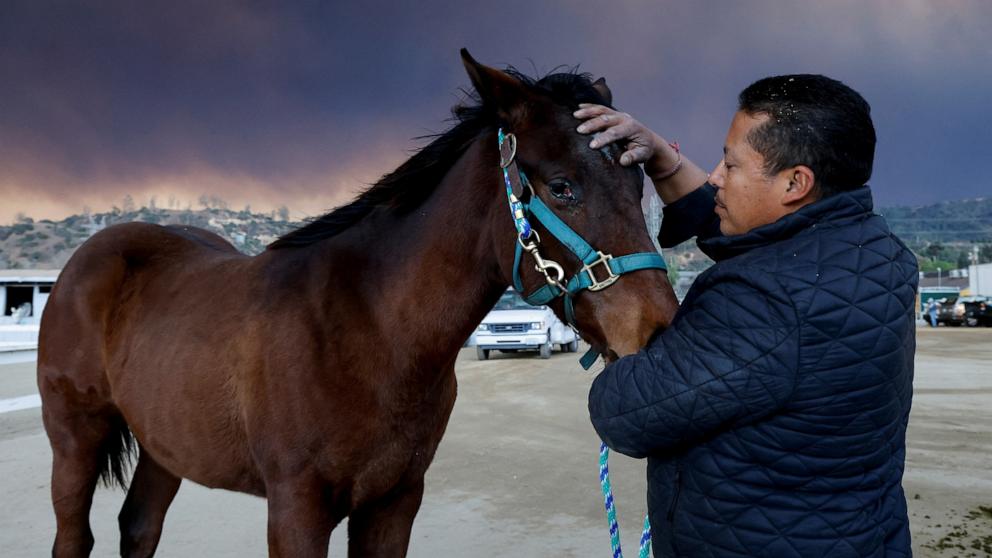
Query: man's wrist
{"x": 673, "y": 169}
{"x": 664, "y": 160}
{"x": 688, "y": 178}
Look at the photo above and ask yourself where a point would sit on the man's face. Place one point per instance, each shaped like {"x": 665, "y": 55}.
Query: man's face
{"x": 746, "y": 197}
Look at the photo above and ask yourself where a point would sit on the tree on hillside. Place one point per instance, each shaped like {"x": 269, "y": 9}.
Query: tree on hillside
{"x": 985, "y": 253}
{"x": 933, "y": 250}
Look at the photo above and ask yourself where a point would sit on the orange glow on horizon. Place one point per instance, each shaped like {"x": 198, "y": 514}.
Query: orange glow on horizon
{"x": 305, "y": 195}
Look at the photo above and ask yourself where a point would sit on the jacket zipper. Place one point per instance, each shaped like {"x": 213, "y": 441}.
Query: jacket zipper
{"x": 678, "y": 489}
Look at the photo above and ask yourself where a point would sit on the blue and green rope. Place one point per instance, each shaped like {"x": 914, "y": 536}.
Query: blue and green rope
{"x": 611, "y": 512}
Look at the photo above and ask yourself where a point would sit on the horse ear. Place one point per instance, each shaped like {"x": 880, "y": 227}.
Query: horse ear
{"x": 498, "y": 89}
{"x": 600, "y": 86}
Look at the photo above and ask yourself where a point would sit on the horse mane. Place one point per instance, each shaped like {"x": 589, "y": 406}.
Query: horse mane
{"x": 404, "y": 189}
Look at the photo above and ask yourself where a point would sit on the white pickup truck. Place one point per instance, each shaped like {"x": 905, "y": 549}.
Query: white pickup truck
{"x": 513, "y": 325}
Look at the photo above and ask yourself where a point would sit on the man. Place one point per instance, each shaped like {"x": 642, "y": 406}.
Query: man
{"x": 773, "y": 411}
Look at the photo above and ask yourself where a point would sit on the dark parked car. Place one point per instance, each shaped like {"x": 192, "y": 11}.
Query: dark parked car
{"x": 977, "y": 310}
{"x": 964, "y": 310}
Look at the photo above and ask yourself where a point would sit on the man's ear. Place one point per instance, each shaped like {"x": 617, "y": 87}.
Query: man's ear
{"x": 600, "y": 86}
{"x": 497, "y": 89}
{"x": 801, "y": 186}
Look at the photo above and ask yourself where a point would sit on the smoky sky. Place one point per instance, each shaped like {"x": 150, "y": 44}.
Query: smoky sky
{"x": 304, "y": 103}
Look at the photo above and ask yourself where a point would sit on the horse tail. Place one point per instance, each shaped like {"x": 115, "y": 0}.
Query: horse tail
{"x": 117, "y": 454}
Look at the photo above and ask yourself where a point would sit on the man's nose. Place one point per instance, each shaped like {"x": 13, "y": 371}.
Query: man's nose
{"x": 716, "y": 177}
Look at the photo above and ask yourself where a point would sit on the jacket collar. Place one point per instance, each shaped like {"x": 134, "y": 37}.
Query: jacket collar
{"x": 843, "y": 206}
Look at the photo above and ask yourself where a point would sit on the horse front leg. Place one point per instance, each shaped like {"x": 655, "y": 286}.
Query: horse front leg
{"x": 300, "y": 519}
{"x": 382, "y": 528}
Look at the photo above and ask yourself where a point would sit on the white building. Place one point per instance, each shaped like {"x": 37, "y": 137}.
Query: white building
{"x": 23, "y": 294}
{"x": 980, "y": 279}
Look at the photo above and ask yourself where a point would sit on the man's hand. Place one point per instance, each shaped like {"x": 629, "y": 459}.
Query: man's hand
{"x": 641, "y": 145}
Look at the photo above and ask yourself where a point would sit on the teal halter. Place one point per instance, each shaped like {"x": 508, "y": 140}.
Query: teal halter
{"x": 593, "y": 261}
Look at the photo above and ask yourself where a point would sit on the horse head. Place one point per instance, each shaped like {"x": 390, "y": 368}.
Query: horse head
{"x": 586, "y": 190}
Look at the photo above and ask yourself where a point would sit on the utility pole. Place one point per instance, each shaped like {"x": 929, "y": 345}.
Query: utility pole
{"x": 977, "y": 274}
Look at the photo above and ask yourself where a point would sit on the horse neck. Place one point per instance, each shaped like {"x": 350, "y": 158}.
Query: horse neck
{"x": 429, "y": 276}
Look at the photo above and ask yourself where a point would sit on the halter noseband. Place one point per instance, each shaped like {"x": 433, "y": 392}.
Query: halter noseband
{"x": 608, "y": 268}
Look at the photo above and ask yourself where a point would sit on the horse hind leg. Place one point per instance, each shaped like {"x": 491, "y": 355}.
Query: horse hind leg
{"x": 85, "y": 447}
{"x": 148, "y": 499}
{"x": 89, "y": 437}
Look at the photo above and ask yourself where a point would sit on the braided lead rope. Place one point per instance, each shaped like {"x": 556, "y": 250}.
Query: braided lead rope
{"x": 611, "y": 512}
{"x": 645, "y": 550}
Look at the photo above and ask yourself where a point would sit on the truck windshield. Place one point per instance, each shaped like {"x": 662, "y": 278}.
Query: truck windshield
{"x": 512, "y": 301}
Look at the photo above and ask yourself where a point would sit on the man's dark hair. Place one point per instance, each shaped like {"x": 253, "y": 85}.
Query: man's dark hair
{"x": 814, "y": 121}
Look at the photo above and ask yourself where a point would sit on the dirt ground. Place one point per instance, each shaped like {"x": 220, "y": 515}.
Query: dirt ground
{"x": 516, "y": 474}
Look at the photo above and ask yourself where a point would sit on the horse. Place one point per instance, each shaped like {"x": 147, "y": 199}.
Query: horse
{"x": 319, "y": 374}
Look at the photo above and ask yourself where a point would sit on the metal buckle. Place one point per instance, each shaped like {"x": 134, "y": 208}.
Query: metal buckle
{"x": 507, "y": 150}
{"x": 542, "y": 265}
{"x": 604, "y": 260}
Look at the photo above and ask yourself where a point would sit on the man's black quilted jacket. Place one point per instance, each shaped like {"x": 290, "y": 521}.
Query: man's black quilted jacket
{"x": 773, "y": 411}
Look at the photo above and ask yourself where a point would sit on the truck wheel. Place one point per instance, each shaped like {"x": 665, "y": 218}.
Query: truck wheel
{"x": 546, "y": 348}
{"x": 483, "y": 354}
{"x": 573, "y": 346}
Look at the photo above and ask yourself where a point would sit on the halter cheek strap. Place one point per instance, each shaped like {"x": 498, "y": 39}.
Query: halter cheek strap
{"x": 599, "y": 270}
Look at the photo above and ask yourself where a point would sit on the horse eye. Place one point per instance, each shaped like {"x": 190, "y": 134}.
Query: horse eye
{"x": 562, "y": 189}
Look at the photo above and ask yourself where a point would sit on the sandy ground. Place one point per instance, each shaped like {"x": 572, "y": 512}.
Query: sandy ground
{"x": 516, "y": 474}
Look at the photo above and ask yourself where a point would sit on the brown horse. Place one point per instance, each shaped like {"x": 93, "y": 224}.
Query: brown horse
{"x": 320, "y": 373}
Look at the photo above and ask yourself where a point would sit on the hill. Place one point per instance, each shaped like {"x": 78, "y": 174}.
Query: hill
{"x": 950, "y": 222}
{"x": 49, "y": 244}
